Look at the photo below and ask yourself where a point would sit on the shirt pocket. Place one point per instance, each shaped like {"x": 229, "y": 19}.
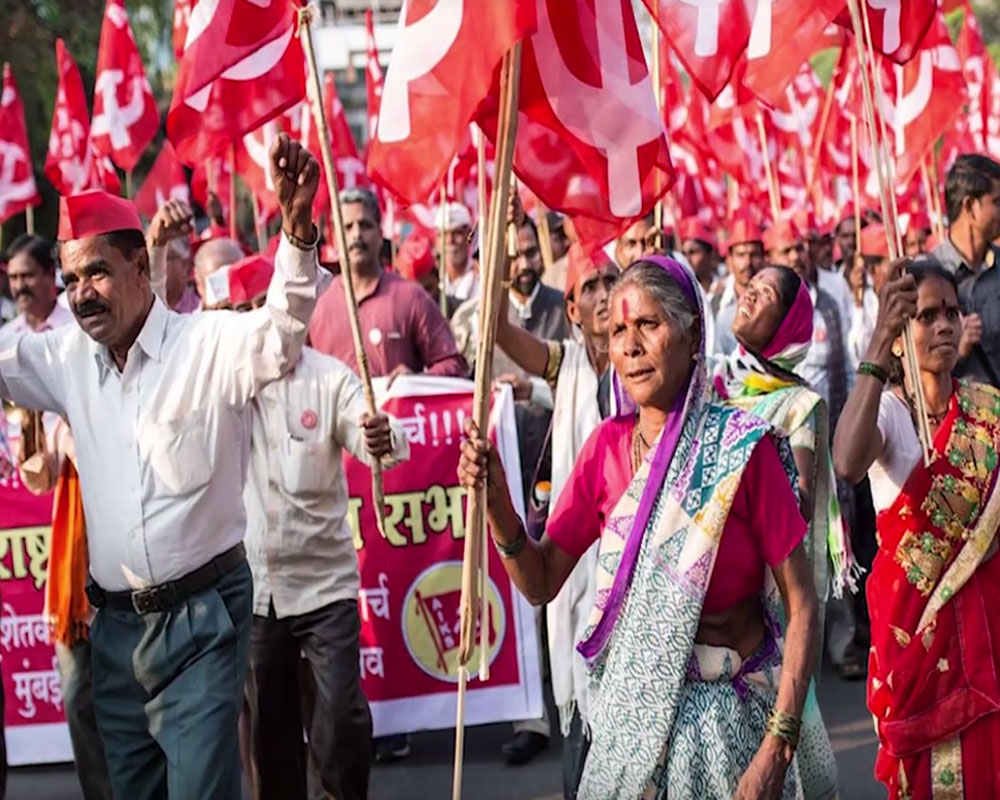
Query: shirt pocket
{"x": 306, "y": 465}
{"x": 179, "y": 454}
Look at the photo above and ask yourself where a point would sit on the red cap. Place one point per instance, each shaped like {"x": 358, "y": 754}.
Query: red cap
{"x": 918, "y": 221}
{"x": 805, "y": 220}
{"x": 694, "y": 228}
{"x": 873, "y": 241}
{"x": 94, "y": 212}
{"x": 782, "y": 234}
{"x": 415, "y": 257}
{"x": 249, "y": 278}
{"x": 580, "y": 263}
{"x": 742, "y": 230}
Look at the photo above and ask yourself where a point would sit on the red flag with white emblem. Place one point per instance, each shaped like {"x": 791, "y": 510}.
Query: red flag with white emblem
{"x": 253, "y": 167}
{"x": 165, "y": 181}
{"x": 17, "y": 178}
{"x": 590, "y": 139}
{"x": 898, "y": 26}
{"x": 784, "y": 34}
{"x": 125, "y": 116}
{"x": 709, "y": 37}
{"x": 924, "y": 99}
{"x": 182, "y": 17}
{"x": 70, "y": 165}
{"x": 242, "y": 66}
{"x": 981, "y": 76}
{"x": 440, "y": 70}
{"x": 373, "y": 76}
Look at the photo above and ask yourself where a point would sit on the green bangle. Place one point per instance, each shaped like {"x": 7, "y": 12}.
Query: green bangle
{"x": 874, "y": 370}
{"x": 784, "y": 726}
{"x": 513, "y": 549}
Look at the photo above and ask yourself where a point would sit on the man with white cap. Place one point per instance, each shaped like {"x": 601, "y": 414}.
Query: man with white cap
{"x": 461, "y": 275}
{"x": 160, "y": 398}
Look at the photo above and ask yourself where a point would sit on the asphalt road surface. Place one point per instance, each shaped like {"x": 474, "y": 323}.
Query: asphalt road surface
{"x": 426, "y": 774}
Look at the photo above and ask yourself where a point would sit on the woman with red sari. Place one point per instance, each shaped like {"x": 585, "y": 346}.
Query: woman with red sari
{"x": 934, "y": 590}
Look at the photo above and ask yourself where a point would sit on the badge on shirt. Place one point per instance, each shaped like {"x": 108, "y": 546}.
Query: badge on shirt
{"x": 375, "y": 336}
{"x": 308, "y": 419}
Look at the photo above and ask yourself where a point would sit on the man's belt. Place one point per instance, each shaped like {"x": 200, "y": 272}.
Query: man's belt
{"x": 167, "y": 595}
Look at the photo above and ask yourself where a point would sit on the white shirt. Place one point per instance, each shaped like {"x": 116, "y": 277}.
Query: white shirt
{"x": 523, "y": 310}
{"x": 17, "y": 327}
{"x": 160, "y": 444}
{"x": 863, "y": 319}
{"x": 466, "y": 286}
{"x": 299, "y": 543}
{"x": 901, "y": 451}
{"x": 815, "y": 367}
{"x": 835, "y": 284}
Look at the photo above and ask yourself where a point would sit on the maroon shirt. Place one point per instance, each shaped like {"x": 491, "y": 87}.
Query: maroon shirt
{"x": 400, "y": 324}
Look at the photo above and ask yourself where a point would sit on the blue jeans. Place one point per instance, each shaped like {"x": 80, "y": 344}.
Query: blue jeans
{"x": 168, "y": 689}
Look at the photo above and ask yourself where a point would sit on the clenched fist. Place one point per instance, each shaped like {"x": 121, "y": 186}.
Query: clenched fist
{"x": 295, "y": 174}
{"x": 174, "y": 220}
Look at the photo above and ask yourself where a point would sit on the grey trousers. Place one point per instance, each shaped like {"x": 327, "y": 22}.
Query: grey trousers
{"x": 77, "y": 680}
{"x": 337, "y": 761}
{"x": 168, "y": 688}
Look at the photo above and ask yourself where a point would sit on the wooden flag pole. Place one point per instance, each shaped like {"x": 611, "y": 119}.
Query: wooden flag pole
{"x": 658, "y": 93}
{"x": 773, "y": 192}
{"x": 442, "y": 236}
{"x": 820, "y": 136}
{"x": 493, "y": 275}
{"x": 337, "y": 216}
{"x": 936, "y": 221}
{"x": 923, "y": 429}
{"x": 128, "y": 183}
{"x": 936, "y": 197}
{"x": 545, "y": 238}
{"x": 856, "y": 181}
{"x": 29, "y": 220}
{"x": 232, "y": 191}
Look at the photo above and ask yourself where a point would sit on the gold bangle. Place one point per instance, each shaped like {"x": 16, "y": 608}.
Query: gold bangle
{"x": 784, "y": 726}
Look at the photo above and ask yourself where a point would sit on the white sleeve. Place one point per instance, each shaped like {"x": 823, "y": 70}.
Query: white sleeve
{"x": 350, "y": 407}
{"x": 258, "y": 347}
{"x": 31, "y": 375}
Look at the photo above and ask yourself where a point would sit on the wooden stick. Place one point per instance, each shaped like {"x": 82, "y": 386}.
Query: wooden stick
{"x": 936, "y": 198}
{"x": 658, "y": 94}
{"x": 545, "y": 238}
{"x": 888, "y": 216}
{"x": 337, "y": 216}
{"x": 925, "y": 179}
{"x": 856, "y": 178}
{"x": 128, "y": 183}
{"x": 484, "y": 606}
{"x": 456, "y": 777}
{"x": 481, "y": 195}
{"x": 820, "y": 136}
{"x": 232, "y": 191}
{"x": 492, "y": 286}
{"x": 29, "y": 220}
{"x": 442, "y": 235}
{"x": 258, "y": 226}
{"x": 773, "y": 192}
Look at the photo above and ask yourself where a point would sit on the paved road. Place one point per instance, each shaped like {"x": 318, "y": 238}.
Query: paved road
{"x": 426, "y": 775}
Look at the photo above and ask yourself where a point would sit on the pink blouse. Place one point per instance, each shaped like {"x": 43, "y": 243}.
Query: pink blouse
{"x": 763, "y": 527}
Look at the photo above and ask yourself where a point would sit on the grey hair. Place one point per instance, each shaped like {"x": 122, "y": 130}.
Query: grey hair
{"x": 366, "y": 198}
{"x": 663, "y": 289}
{"x": 216, "y": 253}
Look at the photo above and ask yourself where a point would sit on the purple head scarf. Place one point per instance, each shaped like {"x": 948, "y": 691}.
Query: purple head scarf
{"x": 688, "y": 400}
{"x": 791, "y": 341}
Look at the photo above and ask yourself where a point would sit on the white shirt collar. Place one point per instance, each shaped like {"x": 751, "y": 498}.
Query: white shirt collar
{"x": 524, "y": 309}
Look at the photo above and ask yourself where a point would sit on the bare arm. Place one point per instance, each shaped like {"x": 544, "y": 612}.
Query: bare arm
{"x": 541, "y": 568}
{"x": 857, "y": 441}
{"x": 765, "y": 776}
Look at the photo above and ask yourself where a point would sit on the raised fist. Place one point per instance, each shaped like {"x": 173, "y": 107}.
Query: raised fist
{"x": 174, "y": 220}
{"x": 295, "y": 174}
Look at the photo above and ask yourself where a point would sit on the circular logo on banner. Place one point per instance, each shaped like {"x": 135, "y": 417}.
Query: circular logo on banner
{"x": 432, "y": 622}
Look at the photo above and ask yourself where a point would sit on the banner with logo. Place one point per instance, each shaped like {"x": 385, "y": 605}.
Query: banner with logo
{"x": 411, "y": 577}
{"x": 409, "y": 598}
{"x": 34, "y": 723}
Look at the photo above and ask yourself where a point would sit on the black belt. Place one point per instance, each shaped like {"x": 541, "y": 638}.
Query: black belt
{"x": 167, "y": 595}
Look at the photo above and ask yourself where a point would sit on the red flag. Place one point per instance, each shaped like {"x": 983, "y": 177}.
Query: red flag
{"x": 182, "y": 18}
{"x": 976, "y": 63}
{"x": 17, "y": 178}
{"x": 373, "y": 77}
{"x": 797, "y": 116}
{"x": 165, "y": 181}
{"x": 125, "y": 116}
{"x": 590, "y": 141}
{"x": 69, "y": 165}
{"x": 929, "y": 93}
{"x": 898, "y": 26}
{"x": 709, "y": 36}
{"x": 253, "y": 167}
{"x": 441, "y": 69}
{"x": 783, "y": 36}
{"x": 223, "y": 90}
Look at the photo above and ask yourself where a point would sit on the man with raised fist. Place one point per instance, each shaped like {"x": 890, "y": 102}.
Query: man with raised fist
{"x": 157, "y": 402}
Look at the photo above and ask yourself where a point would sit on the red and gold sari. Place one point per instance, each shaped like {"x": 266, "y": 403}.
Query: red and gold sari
{"x": 934, "y": 600}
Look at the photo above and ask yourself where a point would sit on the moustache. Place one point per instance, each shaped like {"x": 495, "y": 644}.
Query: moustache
{"x": 90, "y": 308}
{"x": 360, "y": 247}
{"x": 24, "y": 293}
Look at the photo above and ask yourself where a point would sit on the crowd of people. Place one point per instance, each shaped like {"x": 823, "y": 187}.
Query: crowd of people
{"x": 720, "y": 460}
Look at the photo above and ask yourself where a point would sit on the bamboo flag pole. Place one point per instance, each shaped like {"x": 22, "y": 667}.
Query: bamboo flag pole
{"x": 29, "y": 220}
{"x": 545, "y": 239}
{"x": 128, "y": 183}
{"x": 936, "y": 220}
{"x": 856, "y": 180}
{"x": 337, "y": 215}
{"x": 773, "y": 192}
{"x": 442, "y": 236}
{"x": 820, "y": 136}
{"x": 923, "y": 429}
{"x": 490, "y": 295}
{"x": 936, "y": 197}
{"x": 658, "y": 93}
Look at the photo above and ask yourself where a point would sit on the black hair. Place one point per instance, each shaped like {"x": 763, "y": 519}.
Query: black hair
{"x": 36, "y": 248}
{"x": 972, "y": 175}
{"x": 530, "y": 223}
{"x": 127, "y": 242}
{"x": 926, "y": 268}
